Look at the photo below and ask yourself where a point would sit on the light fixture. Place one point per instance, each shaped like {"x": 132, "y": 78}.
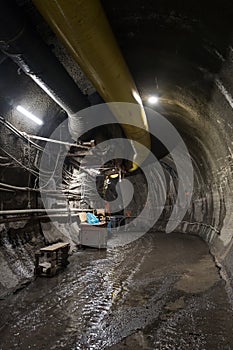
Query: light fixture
{"x": 153, "y": 99}
{"x": 114, "y": 176}
{"x": 29, "y": 115}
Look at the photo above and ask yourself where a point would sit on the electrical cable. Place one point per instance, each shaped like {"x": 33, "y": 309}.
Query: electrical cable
{"x": 19, "y": 133}
{"x": 18, "y": 162}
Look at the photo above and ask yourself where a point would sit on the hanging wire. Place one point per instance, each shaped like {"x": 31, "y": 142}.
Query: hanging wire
{"x": 29, "y": 177}
{"x": 35, "y": 173}
{"x": 18, "y": 133}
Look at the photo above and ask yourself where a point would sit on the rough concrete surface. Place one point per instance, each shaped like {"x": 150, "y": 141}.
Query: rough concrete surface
{"x": 159, "y": 292}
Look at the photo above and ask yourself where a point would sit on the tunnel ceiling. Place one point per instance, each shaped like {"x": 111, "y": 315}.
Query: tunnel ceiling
{"x": 183, "y": 51}
{"x": 181, "y": 46}
{"x": 180, "y": 50}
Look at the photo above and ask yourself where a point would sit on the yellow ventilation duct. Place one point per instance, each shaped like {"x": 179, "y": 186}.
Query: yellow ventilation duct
{"x": 84, "y": 30}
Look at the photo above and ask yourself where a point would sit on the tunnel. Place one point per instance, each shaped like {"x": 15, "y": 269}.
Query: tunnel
{"x": 116, "y": 147}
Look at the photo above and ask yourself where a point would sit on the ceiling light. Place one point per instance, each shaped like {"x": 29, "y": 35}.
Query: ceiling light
{"x": 114, "y": 176}
{"x": 153, "y": 99}
{"x": 29, "y": 115}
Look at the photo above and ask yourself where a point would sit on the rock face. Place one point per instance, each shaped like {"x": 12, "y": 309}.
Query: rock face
{"x": 18, "y": 243}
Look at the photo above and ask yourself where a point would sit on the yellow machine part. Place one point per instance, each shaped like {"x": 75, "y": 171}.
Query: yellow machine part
{"x": 84, "y": 30}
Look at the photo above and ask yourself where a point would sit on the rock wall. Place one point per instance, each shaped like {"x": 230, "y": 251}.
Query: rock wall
{"x": 18, "y": 243}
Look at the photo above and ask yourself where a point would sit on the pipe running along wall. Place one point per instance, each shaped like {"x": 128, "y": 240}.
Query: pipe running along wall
{"x": 85, "y": 31}
{"x": 20, "y": 42}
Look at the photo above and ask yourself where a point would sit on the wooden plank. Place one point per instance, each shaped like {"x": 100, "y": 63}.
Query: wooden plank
{"x": 54, "y": 247}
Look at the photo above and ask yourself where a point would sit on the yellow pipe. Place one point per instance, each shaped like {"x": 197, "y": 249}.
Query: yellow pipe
{"x": 85, "y": 31}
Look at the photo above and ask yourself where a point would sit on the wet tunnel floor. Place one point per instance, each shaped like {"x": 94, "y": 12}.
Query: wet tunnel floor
{"x": 159, "y": 292}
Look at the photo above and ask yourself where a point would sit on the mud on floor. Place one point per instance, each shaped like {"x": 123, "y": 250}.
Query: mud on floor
{"x": 159, "y": 292}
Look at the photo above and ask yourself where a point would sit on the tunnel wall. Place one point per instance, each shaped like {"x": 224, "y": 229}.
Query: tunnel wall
{"x": 20, "y": 240}
{"x": 18, "y": 243}
{"x": 184, "y": 53}
{"x": 205, "y": 122}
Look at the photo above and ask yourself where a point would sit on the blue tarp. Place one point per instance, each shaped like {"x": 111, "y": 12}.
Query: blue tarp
{"x": 92, "y": 219}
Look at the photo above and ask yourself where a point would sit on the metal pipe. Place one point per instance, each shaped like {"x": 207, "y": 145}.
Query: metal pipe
{"x": 21, "y": 42}
{"x": 48, "y": 211}
{"x": 35, "y": 217}
{"x": 85, "y": 31}
{"x": 6, "y": 190}
{"x": 78, "y": 145}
